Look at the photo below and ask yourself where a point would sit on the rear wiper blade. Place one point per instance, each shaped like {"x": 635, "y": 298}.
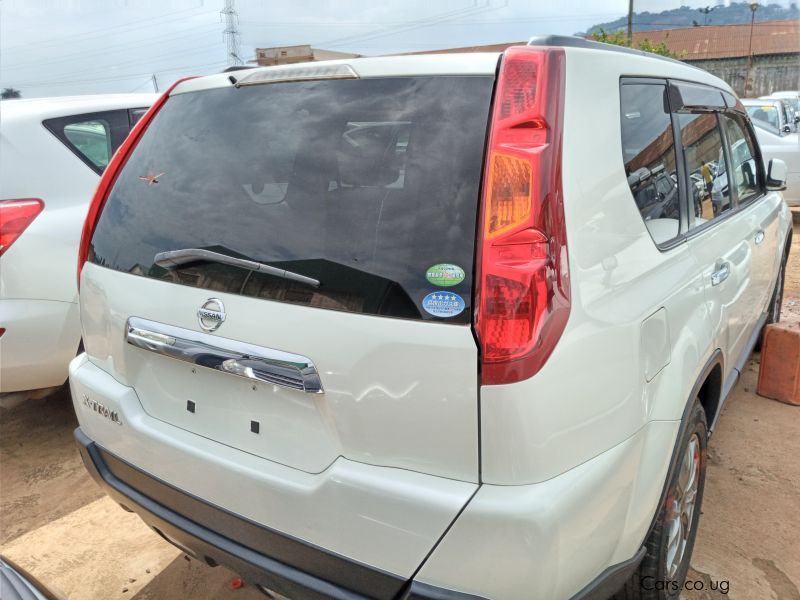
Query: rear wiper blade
{"x": 178, "y": 258}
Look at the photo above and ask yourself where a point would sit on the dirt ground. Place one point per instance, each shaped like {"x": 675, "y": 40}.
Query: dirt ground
{"x": 55, "y": 522}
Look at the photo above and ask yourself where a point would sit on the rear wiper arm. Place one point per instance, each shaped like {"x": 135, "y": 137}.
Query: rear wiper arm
{"x": 177, "y": 258}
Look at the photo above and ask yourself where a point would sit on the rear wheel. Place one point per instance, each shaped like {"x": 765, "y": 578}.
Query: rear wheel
{"x": 662, "y": 572}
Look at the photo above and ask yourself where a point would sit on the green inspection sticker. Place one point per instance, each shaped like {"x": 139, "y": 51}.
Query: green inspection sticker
{"x": 445, "y": 275}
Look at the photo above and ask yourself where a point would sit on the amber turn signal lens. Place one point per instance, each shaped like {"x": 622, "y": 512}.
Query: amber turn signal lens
{"x": 509, "y": 194}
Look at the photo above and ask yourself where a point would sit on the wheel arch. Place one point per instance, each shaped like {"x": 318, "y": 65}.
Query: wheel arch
{"x": 708, "y": 388}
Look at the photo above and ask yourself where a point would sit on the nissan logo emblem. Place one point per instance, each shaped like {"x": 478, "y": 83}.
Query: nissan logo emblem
{"x": 211, "y": 314}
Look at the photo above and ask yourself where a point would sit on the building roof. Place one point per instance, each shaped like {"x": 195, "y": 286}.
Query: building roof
{"x": 727, "y": 41}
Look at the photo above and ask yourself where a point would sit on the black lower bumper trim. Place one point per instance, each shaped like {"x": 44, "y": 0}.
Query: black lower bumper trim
{"x": 610, "y": 581}
{"x": 260, "y": 555}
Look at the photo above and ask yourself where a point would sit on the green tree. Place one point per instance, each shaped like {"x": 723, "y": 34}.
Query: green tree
{"x": 619, "y": 38}
{"x": 10, "y": 94}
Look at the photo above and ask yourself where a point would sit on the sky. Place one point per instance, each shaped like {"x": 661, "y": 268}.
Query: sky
{"x": 69, "y": 47}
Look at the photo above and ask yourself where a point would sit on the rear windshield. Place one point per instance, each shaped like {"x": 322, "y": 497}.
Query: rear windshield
{"x": 370, "y": 186}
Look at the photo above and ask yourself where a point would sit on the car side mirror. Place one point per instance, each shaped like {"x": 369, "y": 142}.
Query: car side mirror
{"x": 776, "y": 175}
{"x": 787, "y": 129}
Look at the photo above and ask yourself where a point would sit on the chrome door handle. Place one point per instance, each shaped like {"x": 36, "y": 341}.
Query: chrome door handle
{"x": 229, "y": 356}
{"x": 759, "y": 236}
{"x": 721, "y": 274}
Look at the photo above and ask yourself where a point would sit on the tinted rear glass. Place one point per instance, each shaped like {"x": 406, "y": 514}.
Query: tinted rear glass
{"x": 362, "y": 184}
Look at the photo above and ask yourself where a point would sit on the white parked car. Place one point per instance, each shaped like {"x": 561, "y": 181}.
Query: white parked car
{"x": 773, "y": 112}
{"x": 792, "y": 98}
{"x": 53, "y": 152}
{"x": 415, "y": 326}
{"x": 785, "y": 147}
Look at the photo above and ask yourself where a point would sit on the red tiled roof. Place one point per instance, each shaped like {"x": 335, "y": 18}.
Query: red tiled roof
{"x": 727, "y": 41}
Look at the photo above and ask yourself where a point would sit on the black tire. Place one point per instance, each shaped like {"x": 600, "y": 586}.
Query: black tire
{"x": 775, "y": 302}
{"x": 774, "y": 314}
{"x": 652, "y": 580}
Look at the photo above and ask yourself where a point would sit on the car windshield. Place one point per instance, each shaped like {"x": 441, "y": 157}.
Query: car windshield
{"x": 766, "y": 113}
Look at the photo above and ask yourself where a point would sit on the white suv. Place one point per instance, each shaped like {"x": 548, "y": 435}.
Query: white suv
{"x": 417, "y": 326}
{"x": 52, "y": 153}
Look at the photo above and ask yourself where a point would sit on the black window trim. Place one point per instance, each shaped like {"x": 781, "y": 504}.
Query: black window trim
{"x": 114, "y": 117}
{"x": 733, "y": 110}
{"x": 750, "y": 136}
{"x": 679, "y": 163}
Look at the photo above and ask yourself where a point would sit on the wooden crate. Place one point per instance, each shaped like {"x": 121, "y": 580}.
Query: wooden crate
{"x": 779, "y": 375}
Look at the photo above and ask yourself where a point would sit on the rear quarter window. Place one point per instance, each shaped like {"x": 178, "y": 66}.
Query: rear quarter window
{"x": 92, "y": 137}
{"x": 648, "y": 151}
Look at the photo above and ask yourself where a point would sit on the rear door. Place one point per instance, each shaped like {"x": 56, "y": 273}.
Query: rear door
{"x": 719, "y": 236}
{"x": 760, "y": 210}
{"x": 367, "y": 187}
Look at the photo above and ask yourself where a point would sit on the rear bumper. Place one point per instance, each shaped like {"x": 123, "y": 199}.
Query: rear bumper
{"x": 262, "y": 556}
{"x": 357, "y": 530}
{"x": 41, "y": 337}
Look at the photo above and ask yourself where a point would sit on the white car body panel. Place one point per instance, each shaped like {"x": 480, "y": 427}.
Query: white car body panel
{"x": 532, "y": 530}
{"x": 379, "y": 375}
{"x": 42, "y": 337}
{"x": 41, "y": 265}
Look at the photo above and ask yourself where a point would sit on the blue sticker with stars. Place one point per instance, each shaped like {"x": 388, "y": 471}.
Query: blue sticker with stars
{"x": 443, "y": 304}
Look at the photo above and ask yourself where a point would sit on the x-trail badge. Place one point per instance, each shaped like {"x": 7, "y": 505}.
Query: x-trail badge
{"x": 211, "y": 315}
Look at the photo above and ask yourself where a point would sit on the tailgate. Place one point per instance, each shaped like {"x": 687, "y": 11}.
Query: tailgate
{"x": 395, "y": 393}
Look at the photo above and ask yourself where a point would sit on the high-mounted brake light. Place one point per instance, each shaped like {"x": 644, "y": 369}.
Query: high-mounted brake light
{"x": 15, "y": 216}
{"x": 304, "y": 73}
{"x": 522, "y": 287}
{"x": 112, "y": 172}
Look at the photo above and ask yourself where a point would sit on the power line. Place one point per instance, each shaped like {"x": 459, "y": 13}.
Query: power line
{"x": 411, "y": 25}
{"x": 123, "y": 47}
{"x": 104, "y": 31}
{"x": 217, "y": 64}
{"x": 562, "y": 17}
{"x": 135, "y": 62}
{"x": 139, "y": 86}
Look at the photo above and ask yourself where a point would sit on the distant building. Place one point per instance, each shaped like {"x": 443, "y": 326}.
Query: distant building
{"x": 287, "y": 55}
{"x": 724, "y": 50}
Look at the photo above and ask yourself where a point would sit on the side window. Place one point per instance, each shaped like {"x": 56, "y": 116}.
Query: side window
{"x": 743, "y": 166}
{"x": 92, "y": 139}
{"x": 709, "y": 193}
{"x": 648, "y": 151}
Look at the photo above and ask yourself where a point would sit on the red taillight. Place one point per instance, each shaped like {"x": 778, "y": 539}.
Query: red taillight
{"x": 522, "y": 288}
{"x": 112, "y": 172}
{"x": 15, "y": 216}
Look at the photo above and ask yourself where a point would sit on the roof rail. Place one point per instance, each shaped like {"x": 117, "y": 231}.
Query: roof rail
{"x": 573, "y": 41}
